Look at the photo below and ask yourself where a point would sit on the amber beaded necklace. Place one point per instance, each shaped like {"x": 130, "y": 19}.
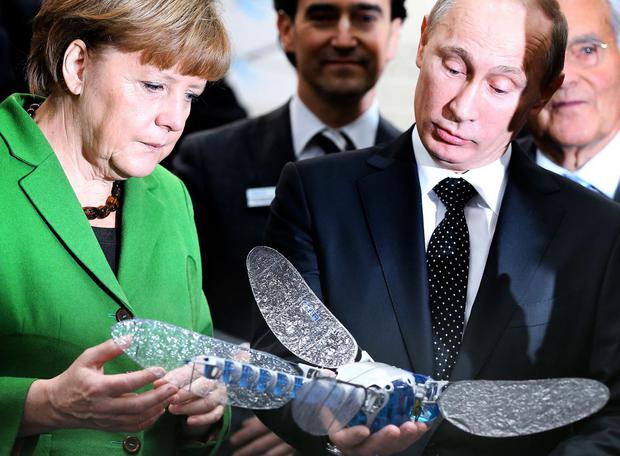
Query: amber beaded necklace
{"x": 112, "y": 203}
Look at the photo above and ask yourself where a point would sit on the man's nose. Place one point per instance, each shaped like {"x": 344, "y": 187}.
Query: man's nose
{"x": 344, "y": 33}
{"x": 572, "y": 73}
{"x": 464, "y": 106}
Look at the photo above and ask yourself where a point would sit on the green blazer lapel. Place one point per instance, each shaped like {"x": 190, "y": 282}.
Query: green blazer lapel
{"x": 51, "y": 194}
{"x": 141, "y": 220}
{"x": 49, "y": 191}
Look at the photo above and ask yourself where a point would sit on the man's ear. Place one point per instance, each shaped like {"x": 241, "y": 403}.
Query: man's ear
{"x": 394, "y": 38}
{"x": 423, "y": 41}
{"x": 285, "y": 28}
{"x": 547, "y": 93}
{"x": 73, "y": 64}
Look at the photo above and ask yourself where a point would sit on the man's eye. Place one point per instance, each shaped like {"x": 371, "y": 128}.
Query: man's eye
{"x": 453, "y": 71}
{"x": 588, "y": 50}
{"x": 322, "y": 18}
{"x": 587, "y": 53}
{"x": 498, "y": 90}
{"x": 366, "y": 18}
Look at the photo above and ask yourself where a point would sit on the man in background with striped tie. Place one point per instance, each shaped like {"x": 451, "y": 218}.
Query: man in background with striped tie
{"x": 577, "y": 133}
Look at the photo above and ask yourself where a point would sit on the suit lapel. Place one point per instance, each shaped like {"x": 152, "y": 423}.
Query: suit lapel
{"x": 392, "y": 205}
{"x": 273, "y": 140}
{"x": 386, "y": 132}
{"x": 617, "y": 195}
{"x": 141, "y": 219}
{"x": 525, "y": 228}
{"x": 52, "y": 196}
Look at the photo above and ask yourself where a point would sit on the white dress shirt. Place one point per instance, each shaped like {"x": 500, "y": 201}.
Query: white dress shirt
{"x": 602, "y": 171}
{"x": 304, "y": 125}
{"x": 481, "y": 211}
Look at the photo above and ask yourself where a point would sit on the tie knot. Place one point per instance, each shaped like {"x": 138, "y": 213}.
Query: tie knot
{"x": 454, "y": 193}
{"x": 330, "y": 141}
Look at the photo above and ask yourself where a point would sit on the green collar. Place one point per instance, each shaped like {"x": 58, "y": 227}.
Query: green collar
{"x": 24, "y": 138}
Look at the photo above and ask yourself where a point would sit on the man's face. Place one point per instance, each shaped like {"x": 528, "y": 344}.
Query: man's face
{"x": 585, "y": 112}
{"x": 480, "y": 73}
{"x": 340, "y": 46}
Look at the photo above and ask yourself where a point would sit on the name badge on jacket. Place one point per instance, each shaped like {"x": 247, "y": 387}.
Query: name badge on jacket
{"x": 260, "y": 196}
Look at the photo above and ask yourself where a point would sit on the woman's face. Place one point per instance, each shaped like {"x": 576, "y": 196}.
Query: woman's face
{"x": 130, "y": 114}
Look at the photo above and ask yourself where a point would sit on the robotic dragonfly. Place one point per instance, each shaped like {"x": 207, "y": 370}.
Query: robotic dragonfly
{"x": 258, "y": 380}
{"x": 363, "y": 392}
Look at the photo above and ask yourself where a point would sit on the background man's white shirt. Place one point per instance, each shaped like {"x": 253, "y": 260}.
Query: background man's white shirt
{"x": 602, "y": 171}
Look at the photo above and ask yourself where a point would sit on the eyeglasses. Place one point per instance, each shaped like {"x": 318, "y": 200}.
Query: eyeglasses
{"x": 586, "y": 53}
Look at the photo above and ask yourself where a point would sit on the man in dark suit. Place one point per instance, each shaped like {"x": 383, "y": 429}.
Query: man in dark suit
{"x": 529, "y": 262}
{"x": 577, "y": 132}
{"x": 339, "y": 49}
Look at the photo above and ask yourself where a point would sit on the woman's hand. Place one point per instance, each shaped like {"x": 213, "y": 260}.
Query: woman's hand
{"x": 202, "y": 400}
{"x": 358, "y": 441}
{"x": 84, "y": 397}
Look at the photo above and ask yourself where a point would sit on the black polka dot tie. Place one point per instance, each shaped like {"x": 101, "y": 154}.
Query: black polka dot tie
{"x": 447, "y": 260}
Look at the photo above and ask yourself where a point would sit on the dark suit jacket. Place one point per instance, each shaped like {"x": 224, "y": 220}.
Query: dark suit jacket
{"x": 548, "y": 303}
{"x": 218, "y": 166}
{"x": 527, "y": 144}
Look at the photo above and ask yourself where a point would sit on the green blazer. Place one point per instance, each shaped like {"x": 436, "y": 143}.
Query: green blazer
{"x": 59, "y": 296}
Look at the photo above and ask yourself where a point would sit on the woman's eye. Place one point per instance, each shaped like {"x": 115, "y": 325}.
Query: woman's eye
{"x": 151, "y": 86}
{"x": 192, "y": 97}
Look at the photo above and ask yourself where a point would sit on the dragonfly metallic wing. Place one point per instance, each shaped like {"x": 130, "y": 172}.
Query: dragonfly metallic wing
{"x": 513, "y": 408}
{"x": 299, "y": 320}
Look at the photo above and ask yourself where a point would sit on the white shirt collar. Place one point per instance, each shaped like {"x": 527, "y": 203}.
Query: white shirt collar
{"x": 304, "y": 125}
{"x": 601, "y": 170}
{"x": 489, "y": 180}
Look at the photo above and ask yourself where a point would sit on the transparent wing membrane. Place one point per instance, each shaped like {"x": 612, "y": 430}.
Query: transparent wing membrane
{"x": 294, "y": 314}
{"x": 513, "y": 408}
{"x": 326, "y": 405}
{"x": 152, "y": 343}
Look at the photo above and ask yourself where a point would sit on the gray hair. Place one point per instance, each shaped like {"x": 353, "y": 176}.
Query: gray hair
{"x": 614, "y": 18}
{"x": 554, "y": 54}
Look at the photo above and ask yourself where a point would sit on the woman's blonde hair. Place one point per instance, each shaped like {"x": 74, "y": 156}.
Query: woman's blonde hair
{"x": 188, "y": 33}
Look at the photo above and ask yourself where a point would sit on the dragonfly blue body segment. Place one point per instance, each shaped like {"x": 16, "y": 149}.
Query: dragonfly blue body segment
{"x": 249, "y": 377}
{"x": 230, "y": 375}
{"x": 282, "y": 384}
{"x": 399, "y": 408}
{"x": 264, "y": 380}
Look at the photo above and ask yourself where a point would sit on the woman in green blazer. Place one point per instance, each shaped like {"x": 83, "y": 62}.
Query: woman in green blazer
{"x": 92, "y": 231}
